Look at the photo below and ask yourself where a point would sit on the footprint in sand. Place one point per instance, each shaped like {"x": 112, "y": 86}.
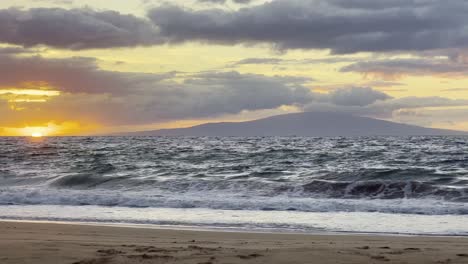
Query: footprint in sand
{"x": 93, "y": 261}
{"x": 364, "y": 247}
{"x": 146, "y": 256}
{"x": 381, "y": 258}
{"x": 447, "y": 261}
{"x": 110, "y": 252}
{"x": 412, "y": 249}
{"x": 396, "y": 252}
{"x": 251, "y": 256}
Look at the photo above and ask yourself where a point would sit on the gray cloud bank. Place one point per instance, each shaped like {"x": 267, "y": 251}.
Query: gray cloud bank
{"x": 123, "y": 98}
{"x": 417, "y": 67}
{"x": 118, "y": 98}
{"x": 224, "y": 1}
{"x": 75, "y": 29}
{"x": 342, "y": 26}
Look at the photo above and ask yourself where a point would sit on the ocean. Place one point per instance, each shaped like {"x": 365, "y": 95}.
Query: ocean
{"x": 396, "y": 185}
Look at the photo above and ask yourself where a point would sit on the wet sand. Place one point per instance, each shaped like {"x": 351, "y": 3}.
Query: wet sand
{"x": 83, "y": 244}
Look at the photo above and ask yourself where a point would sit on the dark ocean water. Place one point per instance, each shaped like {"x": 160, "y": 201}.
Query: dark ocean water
{"x": 262, "y": 168}
{"x": 392, "y": 175}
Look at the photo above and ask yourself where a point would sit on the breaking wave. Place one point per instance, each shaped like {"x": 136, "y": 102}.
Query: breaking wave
{"x": 416, "y": 175}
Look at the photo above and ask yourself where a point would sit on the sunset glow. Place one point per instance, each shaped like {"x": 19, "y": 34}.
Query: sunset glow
{"x": 150, "y": 72}
{"x": 35, "y": 131}
{"x": 36, "y": 135}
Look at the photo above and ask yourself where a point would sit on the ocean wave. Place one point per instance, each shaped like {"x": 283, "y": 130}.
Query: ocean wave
{"x": 448, "y": 189}
{"x": 386, "y": 190}
{"x": 224, "y": 201}
{"x": 382, "y": 174}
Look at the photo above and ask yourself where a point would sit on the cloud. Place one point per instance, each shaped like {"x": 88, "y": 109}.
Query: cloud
{"x": 57, "y": 2}
{"x": 73, "y": 75}
{"x": 455, "y": 90}
{"x": 213, "y": 1}
{"x": 75, "y": 29}
{"x": 392, "y": 68}
{"x": 448, "y": 118}
{"x": 382, "y": 83}
{"x": 357, "y": 96}
{"x": 386, "y": 108}
{"x": 13, "y": 50}
{"x": 365, "y": 101}
{"x": 249, "y": 61}
{"x": 278, "y": 61}
{"x": 339, "y": 25}
{"x": 232, "y": 92}
{"x": 90, "y": 94}
{"x": 224, "y": 1}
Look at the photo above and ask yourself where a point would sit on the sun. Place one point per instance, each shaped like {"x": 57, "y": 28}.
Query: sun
{"x": 36, "y": 131}
{"x": 37, "y": 135}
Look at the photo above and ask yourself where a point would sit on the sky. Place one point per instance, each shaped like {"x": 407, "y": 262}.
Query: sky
{"x": 70, "y": 67}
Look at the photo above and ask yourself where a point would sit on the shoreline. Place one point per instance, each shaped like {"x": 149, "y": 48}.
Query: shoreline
{"x": 230, "y": 230}
{"x": 374, "y": 223}
{"x": 26, "y": 242}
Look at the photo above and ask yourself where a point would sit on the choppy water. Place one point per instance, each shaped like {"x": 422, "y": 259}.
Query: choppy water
{"x": 426, "y": 176}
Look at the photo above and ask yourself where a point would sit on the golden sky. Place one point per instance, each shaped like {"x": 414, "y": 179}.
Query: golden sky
{"x": 90, "y": 67}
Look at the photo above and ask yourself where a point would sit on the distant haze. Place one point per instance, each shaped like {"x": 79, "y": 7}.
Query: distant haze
{"x": 313, "y": 124}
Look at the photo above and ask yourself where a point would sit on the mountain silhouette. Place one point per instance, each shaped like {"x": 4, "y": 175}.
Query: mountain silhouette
{"x": 311, "y": 124}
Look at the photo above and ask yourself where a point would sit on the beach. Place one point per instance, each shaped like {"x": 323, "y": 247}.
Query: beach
{"x": 233, "y": 200}
{"x": 28, "y": 242}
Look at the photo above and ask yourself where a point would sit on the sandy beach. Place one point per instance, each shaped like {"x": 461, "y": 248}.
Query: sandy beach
{"x": 83, "y": 244}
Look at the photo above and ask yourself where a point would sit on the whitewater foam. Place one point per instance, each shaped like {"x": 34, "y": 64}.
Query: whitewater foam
{"x": 246, "y": 220}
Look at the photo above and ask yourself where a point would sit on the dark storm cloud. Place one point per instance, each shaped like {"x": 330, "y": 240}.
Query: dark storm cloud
{"x": 419, "y": 66}
{"x": 75, "y": 29}
{"x": 339, "y": 25}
